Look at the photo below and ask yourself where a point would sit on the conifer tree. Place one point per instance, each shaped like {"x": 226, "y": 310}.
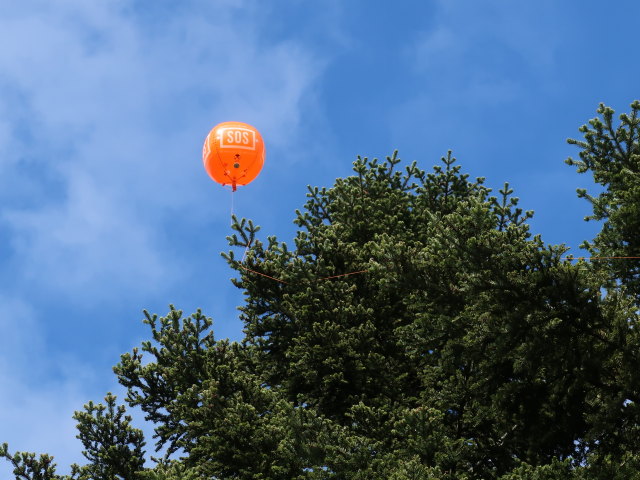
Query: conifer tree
{"x": 612, "y": 154}
{"x": 26, "y": 466}
{"x": 415, "y": 330}
{"x": 112, "y": 446}
{"x": 458, "y": 310}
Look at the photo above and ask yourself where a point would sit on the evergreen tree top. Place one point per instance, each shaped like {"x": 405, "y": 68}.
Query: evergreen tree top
{"x": 416, "y": 330}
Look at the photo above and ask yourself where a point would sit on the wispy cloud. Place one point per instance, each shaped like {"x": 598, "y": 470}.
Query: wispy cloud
{"x": 474, "y": 60}
{"x": 40, "y": 420}
{"x": 103, "y": 110}
{"x": 102, "y": 127}
{"x": 488, "y": 36}
{"x": 36, "y": 410}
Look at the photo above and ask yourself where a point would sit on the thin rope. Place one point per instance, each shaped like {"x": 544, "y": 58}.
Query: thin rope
{"x": 232, "y": 199}
{"x": 289, "y": 283}
{"x": 240, "y": 264}
{"x": 570, "y": 257}
{"x": 262, "y": 274}
{"x": 343, "y": 275}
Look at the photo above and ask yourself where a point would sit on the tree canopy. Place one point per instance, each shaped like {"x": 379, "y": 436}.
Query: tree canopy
{"x": 417, "y": 329}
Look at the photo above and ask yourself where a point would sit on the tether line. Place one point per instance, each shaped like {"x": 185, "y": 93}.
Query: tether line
{"x": 570, "y": 257}
{"x": 290, "y": 283}
{"x": 365, "y": 271}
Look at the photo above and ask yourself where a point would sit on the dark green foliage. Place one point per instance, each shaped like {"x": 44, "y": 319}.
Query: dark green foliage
{"x": 460, "y": 312}
{"x": 417, "y": 330}
{"x": 206, "y": 398}
{"x": 170, "y": 383}
{"x": 27, "y": 466}
{"x": 112, "y": 446}
{"x": 612, "y": 154}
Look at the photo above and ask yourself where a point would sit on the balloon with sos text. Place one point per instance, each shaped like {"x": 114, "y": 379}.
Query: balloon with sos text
{"x": 233, "y": 153}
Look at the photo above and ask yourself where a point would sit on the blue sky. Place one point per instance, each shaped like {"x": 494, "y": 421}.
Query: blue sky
{"x": 105, "y": 208}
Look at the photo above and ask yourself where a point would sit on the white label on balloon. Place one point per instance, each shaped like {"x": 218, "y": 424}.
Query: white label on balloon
{"x": 237, "y": 137}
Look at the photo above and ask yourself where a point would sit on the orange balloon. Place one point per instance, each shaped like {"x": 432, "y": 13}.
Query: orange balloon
{"x": 233, "y": 153}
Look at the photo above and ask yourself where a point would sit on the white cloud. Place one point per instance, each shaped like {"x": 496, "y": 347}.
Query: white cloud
{"x": 103, "y": 111}
{"x": 20, "y": 337}
{"x": 473, "y": 45}
{"x": 35, "y": 413}
{"x": 41, "y": 388}
{"x": 103, "y": 147}
{"x": 431, "y": 45}
{"x": 91, "y": 238}
{"x": 474, "y": 60}
{"x": 40, "y": 420}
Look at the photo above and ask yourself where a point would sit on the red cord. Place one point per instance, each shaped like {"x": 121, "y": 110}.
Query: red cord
{"x": 287, "y": 283}
{"x": 365, "y": 271}
{"x": 594, "y": 258}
